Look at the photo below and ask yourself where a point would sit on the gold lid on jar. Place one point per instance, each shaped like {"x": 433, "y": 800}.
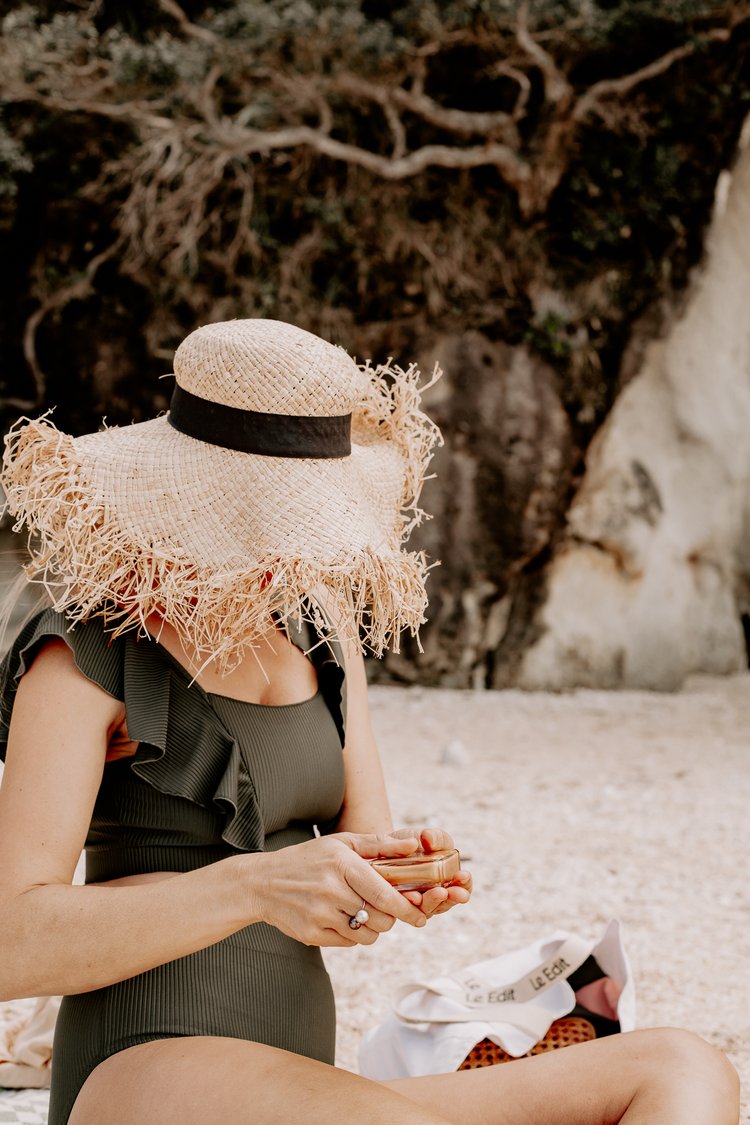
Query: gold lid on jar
{"x": 420, "y": 872}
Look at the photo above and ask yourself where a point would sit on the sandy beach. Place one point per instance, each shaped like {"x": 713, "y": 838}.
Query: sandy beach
{"x": 570, "y": 810}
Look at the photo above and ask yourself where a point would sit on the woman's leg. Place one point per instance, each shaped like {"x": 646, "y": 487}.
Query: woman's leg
{"x": 196, "y": 1080}
{"x": 658, "y": 1077}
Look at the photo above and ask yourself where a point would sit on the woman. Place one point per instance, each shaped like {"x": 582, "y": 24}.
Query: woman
{"x": 193, "y": 711}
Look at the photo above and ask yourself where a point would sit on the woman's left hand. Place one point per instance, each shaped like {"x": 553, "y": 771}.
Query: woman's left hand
{"x": 437, "y": 900}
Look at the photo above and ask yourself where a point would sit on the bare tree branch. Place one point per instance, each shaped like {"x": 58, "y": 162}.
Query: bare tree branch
{"x": 418, "y": 76}
{"x": 135, "y": 112}
{"x": 20, "y": 404}
{"x": 204, "y": 101}
{"x": 299, "y": 88}
{"x": 608, "y": 87}
{"x": 172, "y": 8}
{"x": 381, "y": 95}
{"x": 183, "y": 154}
{"x": 452, "y": 120}
{"x": 77, "y": 290}
{"x": 556, "y": 86}
{"x": 513, "y": 169}
{"x": 245, "y": 237}
{"x": 524, "y": 84}
{"x": 448, "y": 39}
{"x": 398, "y": 132}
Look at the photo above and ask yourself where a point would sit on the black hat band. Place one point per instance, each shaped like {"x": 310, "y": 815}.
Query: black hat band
{"x": 254, "y": 431}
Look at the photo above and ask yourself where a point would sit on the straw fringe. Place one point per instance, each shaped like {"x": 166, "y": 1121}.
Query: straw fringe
{"x": 391, "y": 412}
{"x": 89, "y": 566}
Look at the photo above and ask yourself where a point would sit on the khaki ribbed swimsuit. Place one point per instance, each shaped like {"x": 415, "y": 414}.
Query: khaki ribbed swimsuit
{"x": 212, "y": 777}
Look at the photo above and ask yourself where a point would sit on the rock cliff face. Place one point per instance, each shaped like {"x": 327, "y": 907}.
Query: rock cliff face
{"x": 500, "y": 483}
{"x": 630, "y": 571}
{"x": 652, "y": 577}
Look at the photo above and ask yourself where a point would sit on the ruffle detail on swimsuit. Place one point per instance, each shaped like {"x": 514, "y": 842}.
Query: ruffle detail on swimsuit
{"x": 168, "y": 716}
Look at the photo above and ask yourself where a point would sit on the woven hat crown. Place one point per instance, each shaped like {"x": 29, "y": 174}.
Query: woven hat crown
{"x": 268, "y": 366}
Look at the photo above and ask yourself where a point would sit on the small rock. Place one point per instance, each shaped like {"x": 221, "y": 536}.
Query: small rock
{"x": 455, "y": 754}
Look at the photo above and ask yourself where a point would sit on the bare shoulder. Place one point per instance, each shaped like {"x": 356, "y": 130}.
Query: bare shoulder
{"x": 57, "y": 744}
{"x": 54, "y": 679}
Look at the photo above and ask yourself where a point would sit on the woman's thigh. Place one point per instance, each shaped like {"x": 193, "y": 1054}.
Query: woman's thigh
{"x": 653, "y": 1077}
{"x": 194, "y": 1080}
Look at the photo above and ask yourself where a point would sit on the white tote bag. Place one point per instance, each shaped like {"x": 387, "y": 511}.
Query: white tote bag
{"x": 511, "y": 1000}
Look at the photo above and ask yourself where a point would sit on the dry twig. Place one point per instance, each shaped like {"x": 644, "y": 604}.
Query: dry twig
{"x": 76, "y": 290}
{"x": 186, "y": 25}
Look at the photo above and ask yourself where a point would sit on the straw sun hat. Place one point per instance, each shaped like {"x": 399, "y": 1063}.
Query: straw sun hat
{"x": 284, "y": 478}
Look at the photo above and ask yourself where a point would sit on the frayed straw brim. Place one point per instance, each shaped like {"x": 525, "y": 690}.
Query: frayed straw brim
{"x": 143, "y": 519}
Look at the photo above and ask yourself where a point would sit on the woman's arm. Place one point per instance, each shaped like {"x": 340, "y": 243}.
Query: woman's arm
{"x": 365, "y": 807}
{"x": 57, "y": 938}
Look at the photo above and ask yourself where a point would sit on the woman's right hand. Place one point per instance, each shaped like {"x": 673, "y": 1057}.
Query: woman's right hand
{"x": 310, "y": 891}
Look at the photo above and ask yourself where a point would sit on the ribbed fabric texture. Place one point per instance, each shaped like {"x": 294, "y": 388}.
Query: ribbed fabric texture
{"x": 291, "y": 767}
{"x": 256, "y": 985}
{"x": 209, "y": 771}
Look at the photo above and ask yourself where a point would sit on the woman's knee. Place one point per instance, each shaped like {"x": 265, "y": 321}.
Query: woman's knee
{"x": 680, "y": 1056}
